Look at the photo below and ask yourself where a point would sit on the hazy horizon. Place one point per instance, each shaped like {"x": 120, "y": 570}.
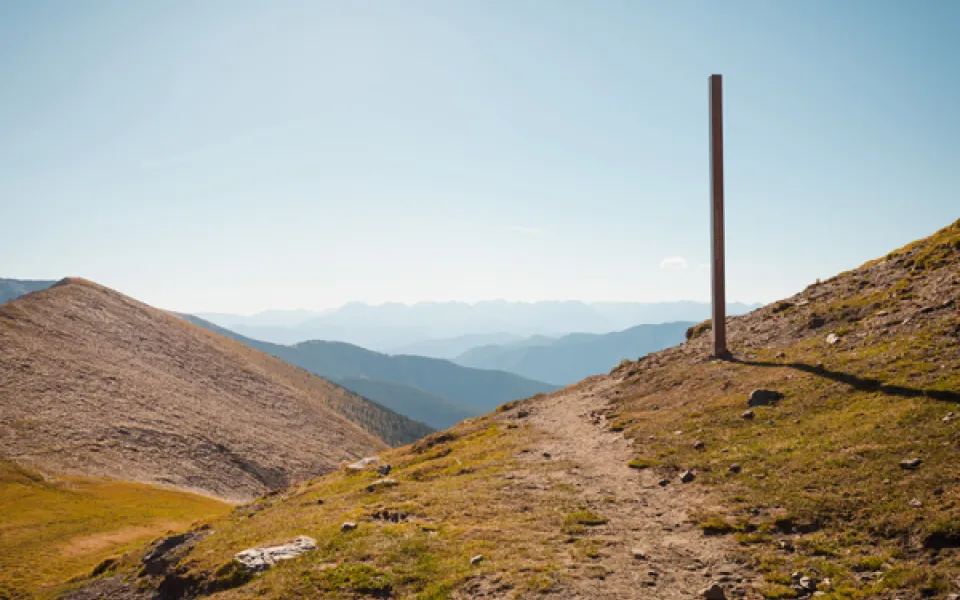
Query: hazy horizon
{"x": 490, "y": 301}
{"x": 238, "y": 157}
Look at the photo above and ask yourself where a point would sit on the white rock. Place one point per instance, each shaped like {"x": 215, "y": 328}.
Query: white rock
{"x": 261, "y": 559}
{"x": 363, "y": 463}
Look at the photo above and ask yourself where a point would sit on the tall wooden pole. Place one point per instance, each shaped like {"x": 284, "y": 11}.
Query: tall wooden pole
{"x": 716, "y": 217}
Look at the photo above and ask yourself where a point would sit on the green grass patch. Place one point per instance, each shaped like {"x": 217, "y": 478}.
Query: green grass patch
{"x": 54, "y": 530}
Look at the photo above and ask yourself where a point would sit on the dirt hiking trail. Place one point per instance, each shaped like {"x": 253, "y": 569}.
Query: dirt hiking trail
{"x": 679, "y": 560}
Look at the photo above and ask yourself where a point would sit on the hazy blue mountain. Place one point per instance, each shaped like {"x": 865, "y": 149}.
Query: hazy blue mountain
{"x": 570, "y": 358}
{"x": 400, "y": 328}
{"x": 436, "y": 411}
{"x": 478, "y": 389}
{"x": 452, "y": 347}
{"x": 11, "y": 289}
{"x": 434, "y": 391}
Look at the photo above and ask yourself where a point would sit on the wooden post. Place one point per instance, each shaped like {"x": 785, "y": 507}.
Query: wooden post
{"x": 716, "y": 218}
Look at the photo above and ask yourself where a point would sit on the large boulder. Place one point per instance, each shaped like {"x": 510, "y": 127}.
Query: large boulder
{"x": 763, "y": 397}
{"x": 261, "y": 559}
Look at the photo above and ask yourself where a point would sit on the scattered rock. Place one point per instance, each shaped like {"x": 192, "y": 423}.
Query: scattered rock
{"x": 808, "y": 584}
{"x": 381, "y": 484}
{"x": 663, "y": 482}
{"x": 948, "y": 417}
{"x": 387, "y": 515}
{"x": 384, "y": 469}
{"x": 261, "y": 559}
{"x": 168, "y": 551}
{"x": 476, "y": 559}
{"x": 910, "y": 463}
{"x": 763, "y": 397}
{"x": 678, "y": 432}
{"x": 748, "y": 414}
{"x": 523, "y": 414}
{"x": 916, "y": 503}
{"x": 833, "y": 338}
{"x": 734, "y": 468}
{"x": 363, "y": 463}
{"x": 780, "y": 355}
{"x": 886, "y": 482}
{"x": 938, "y": 491}
{"x": 786, "y": 545}
{"x": 699, "y": 445}
{"x": 348, "y": 526}
{"x": 687, "y": 477}
{"x": 714, "y": 592}
{"x": 639, "y": 554}
{"x": 547, "y": 455}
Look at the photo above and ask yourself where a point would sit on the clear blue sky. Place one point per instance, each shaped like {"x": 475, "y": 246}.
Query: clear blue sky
{"x": 235, "y": 156}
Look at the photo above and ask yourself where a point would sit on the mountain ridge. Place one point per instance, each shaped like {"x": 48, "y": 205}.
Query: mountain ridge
{"x": 118, "y": 388}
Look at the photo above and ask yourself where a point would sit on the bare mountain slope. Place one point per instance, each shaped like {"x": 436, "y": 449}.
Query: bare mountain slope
{"x": 94, "y": 382}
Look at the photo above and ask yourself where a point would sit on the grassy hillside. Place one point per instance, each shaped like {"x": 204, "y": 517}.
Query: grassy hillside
{"x": 572, "y": 357}
{"x": 457, "y": 506}
{"x": 559, "y": 504}
{"x": 869, "y": 366}
{"x": 55, "y": 530}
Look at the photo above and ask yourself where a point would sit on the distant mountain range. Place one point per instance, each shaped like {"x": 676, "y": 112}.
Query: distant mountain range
{"x": 451, "y": 348}
{"x": 572, "y": 357}
{"x": 444, "y": 329}
{"x": 437, "y": 392}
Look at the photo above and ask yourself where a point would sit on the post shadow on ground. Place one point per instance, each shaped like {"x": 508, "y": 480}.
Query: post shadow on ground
{"x": 865, "y": 384}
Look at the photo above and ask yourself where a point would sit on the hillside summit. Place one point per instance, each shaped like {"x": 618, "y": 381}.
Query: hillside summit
{"x": 94, "y": 382}
{"x": 656, "y": 481}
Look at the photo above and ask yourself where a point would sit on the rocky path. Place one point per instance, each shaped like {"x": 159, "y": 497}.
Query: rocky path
{"x": 679, "y": 561}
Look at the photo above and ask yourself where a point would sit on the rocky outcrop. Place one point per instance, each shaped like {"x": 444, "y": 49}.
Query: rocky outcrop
{"x": 261, "y": 559}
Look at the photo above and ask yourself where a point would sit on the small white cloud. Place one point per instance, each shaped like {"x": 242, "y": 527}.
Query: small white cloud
{"x": 674, "y": 262}
{"x": 526, "y": 230}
